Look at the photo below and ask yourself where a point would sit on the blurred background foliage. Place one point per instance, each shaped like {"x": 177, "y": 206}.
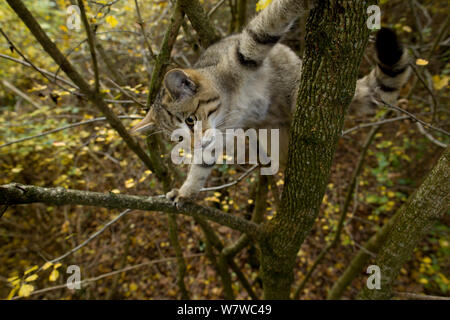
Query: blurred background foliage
{"x": 93, "y": 157}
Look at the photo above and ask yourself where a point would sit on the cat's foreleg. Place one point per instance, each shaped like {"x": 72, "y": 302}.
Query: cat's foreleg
{"x": 197, "y": 176}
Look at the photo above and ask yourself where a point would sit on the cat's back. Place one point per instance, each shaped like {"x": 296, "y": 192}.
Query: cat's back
{"x": 280, "y": 71}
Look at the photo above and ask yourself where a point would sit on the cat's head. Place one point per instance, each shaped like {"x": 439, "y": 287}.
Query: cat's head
{"x": 187, "y": 101}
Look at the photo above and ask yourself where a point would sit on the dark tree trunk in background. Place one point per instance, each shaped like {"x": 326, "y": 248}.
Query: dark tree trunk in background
{"x": 336, "y": 38}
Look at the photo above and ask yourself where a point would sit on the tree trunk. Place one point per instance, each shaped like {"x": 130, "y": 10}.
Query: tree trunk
{"x": 423, "y": 208}
{"x": 358, "y": 262}
{"x": 336, "y": 38}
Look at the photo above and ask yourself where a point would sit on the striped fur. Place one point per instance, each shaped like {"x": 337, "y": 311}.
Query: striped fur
{"x": 250, "y": 80}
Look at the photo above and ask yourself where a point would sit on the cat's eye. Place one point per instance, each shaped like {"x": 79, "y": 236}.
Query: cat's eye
{"x": 190, "y": 121}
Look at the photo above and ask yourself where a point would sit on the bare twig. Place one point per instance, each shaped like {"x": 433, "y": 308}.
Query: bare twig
{"x": 144, "y": 34}
{"x": 21, "y": 194}
{"x": 214, "y": 9}
{"x": 418, "y": 296}
{"x": 40, "y": 70}
{"x": 91, "y": 41}
{"x": 14, "y": 48}
{"x": 112, "y": 273}
{"x": 91, "y": 237}
{"x": 20, "y": 93}
{"x": 181, "y": 264}
{"x": 429, "y": 136}
{"x": 72, "y": 125}
{"x": 163, "y": 58}
{"x": 430, "y": 90}
{"x": 381, "y": 102}
{"x": 50, "y": 47}
{"x": 376, "y": 123}
{"x": 124, "y": 92}
{"x": 227, "y": 185}
{"x": 200, "y": 22}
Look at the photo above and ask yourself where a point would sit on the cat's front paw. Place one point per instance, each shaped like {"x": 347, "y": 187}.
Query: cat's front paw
{"x": 177, "y": 197}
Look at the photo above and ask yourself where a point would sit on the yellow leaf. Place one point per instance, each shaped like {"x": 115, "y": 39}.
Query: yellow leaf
{"x": 133, "y": 286}
{"x": 31, "y": 278}
{"x": 16, "y": 170}
{"x": 26, "y": 290}
{"x": 56, "y": 266}
{"x": 54, "y": 275}
{"x": 426, "y": 260}
{"x": 407, "y": 29}
{"x": 262, "y": 4}
{"x": 438, "y": 82}
{"x": 421, "y": 62}
{"x": 12, "y": 293}
{"x": 30, "y": 270}
{"x": 47, "y": 265}
{"x": 129, "y": 183}
{"x": 112, "y": 21}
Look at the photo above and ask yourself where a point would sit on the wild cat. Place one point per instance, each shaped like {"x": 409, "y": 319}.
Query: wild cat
{"x": 250, "y": 80}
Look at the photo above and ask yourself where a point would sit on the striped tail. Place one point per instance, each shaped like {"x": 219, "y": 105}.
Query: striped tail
{"x": 392, "y": 71}
{"x": 266, "y": 29}
{"x": 390, "y": 75}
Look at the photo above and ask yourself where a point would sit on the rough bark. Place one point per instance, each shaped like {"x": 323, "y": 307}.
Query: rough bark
{"x": 200, "y": 22}
{"x": 14, "y": 193}
{"x": 423, "y": 208}
{"x": 335, "y": 41}
{"x": 358, "y": 262}
{"x": 348, "y": 199}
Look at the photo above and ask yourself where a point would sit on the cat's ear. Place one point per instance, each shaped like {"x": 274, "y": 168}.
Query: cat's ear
{"x": 147, "y": 124}
{"x": 179, "y": 84}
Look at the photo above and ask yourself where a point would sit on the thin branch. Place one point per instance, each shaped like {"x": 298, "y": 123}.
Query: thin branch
{"x": 20, "y": 93}
{"x": 214, "y": 9}
{"x": 50, "y": 47}
{"x": 430, "y": 90}
{"x": 217, "y": 243}
{"x": 14, "y": 48}
{"x": 15, "y": 193}
{"x": 200, "y": 22}
{"x": 163, "y": 58}
{"x": 91, "y": 237}
{"x": 227, "y": 185}
{"x": 72, "y": 125}
{"x": 40, "y": 70}
{"x": 381, "y": 102}
{"x": 429, "y": 136}
{"x": 144, "y": 34}
{"x": 417, "y": 296}
{"x": 124, "y": 92}
{"x": 376, "y": 123}
{"x": 112, "y": 273}
{"x": 91, "y": 42}
{"x": 181, "y": 264}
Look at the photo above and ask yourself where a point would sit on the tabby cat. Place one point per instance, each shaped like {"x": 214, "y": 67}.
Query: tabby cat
{"x": 250, "y": 80}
